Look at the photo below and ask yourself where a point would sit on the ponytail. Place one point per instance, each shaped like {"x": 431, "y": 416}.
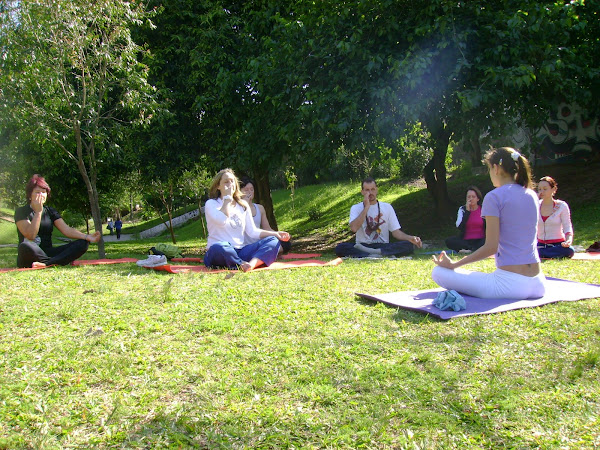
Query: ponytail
{"x": 513, "y": 163}
{"x": 524, "y": 177}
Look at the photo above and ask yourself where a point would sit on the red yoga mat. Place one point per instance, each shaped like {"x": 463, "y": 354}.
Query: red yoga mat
{"x": 175, "y": 268}
{"x": 94, "y": 262}
{"x": 286, "y": 257}
{"x": 587, "y": 256}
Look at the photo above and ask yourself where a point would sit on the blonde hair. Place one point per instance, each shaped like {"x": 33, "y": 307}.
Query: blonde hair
{"x": 513, "y": 163}
{"x": 215, "y": 192}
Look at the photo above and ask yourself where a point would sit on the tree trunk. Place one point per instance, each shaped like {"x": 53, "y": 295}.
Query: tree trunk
{"x": 435, "y": 170}
{"x": 263, "y": 195}
{"x": 476, "y": 150}
{"x": 201, "y": 217}
{"x": 131, "y": 206}
{"x": 90, "y": 183}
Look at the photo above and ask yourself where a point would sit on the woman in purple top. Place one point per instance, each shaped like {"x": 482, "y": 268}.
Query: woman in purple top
{"x": 511, "y": 213}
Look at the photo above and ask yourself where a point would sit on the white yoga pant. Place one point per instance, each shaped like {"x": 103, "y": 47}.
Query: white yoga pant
{"x": 498, "y": 284}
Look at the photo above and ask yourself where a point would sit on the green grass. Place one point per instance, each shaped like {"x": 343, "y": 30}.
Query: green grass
{"x": 8, "y": 232}
{"x": 120, "y": 356}
{"x": 123, "y": 357}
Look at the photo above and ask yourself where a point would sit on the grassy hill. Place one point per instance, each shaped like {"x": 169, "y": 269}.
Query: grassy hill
{"x": 317, "y": 215}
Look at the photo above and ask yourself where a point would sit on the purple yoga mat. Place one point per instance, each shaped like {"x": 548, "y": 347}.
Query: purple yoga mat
{"x": 557, "y": 290}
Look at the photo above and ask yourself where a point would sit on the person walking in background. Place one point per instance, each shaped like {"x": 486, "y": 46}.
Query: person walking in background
{"x": 118, "y": 226}
{"x": 35, "y": 224}
{"x": 229, "y": 221}
{"x": 470, "y": 223}
{"x": 511, "y": 213}
{"x": 555, "y": 230}
{"x": 372, "y": 222}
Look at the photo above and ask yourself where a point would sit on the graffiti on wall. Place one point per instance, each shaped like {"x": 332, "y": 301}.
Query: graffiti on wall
{"x": 569, "y": 135}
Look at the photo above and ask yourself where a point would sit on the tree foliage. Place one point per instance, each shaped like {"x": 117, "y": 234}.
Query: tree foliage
{"x": 264, "y": 86}
{"x": 72, "y": 81}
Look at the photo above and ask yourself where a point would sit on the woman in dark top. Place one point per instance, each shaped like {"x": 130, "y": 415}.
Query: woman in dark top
{"x": 35, "y": 223}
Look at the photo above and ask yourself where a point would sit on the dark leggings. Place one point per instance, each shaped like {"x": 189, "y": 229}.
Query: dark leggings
{"x": 399, "y": 248}
{"x": 30, "y": 252}
{"x": 457, "y": 244}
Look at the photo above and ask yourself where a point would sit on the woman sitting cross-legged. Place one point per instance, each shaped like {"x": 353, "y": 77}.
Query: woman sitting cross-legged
{"x": 259, "y": 215}
{"x": 511, "y": 211}
{"x": 229, "y": 220}
{"x": 470, "y": 223}
{"x": 555, "y": 231}
{"x": 35, "y": 223}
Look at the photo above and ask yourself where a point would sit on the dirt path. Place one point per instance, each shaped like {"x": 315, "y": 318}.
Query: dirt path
{"x": 7, "y": 218}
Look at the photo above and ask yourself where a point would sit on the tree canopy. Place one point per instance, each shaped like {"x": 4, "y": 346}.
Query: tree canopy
{"x": 73, "y": 82}
{"x": 266, "y": 86}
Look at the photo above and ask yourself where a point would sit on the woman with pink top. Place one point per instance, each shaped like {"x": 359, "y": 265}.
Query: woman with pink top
{"x": 555, "y": 231}
{"x": 470, "y": 223}
{"x": 510, "y": 212}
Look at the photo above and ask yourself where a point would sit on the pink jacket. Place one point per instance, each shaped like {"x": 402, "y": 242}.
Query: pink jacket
{"x": 557, "y": 225}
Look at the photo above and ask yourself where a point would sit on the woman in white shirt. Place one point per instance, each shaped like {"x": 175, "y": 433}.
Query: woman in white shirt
{"x": 229, "y": 222}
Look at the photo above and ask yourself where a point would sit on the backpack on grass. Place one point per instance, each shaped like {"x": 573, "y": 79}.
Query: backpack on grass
{"x": 169, "y": 250}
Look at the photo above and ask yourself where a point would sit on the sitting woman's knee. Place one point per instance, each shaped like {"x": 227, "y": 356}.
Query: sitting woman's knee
{"x": 82, "y": 244}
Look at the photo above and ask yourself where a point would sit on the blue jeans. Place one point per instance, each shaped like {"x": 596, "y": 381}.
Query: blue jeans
{"x": 549, "y": 251}
{"x": 223, "y": 254}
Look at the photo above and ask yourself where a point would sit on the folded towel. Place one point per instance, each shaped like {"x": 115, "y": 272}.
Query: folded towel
{"x": 447, "y": 300}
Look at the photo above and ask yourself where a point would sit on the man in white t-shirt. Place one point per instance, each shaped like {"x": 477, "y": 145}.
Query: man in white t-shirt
{"x": 372, "y": 221}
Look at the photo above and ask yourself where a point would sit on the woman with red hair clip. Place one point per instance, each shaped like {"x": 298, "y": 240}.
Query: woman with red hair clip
{"x": 35, "y": 223}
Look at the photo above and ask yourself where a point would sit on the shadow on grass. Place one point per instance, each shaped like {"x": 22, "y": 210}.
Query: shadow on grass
{"x": 400, "y": 314}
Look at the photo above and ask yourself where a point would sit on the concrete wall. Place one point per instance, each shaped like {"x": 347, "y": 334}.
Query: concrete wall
{"x": 161, "y": 228}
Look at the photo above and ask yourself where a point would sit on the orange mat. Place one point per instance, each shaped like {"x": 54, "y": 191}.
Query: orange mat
{"x": 300, "y": 255}
{"x": 286, "y": 257}
{"x": 587, "y": 256}
{"x": 93, "y": 262}
{"x": 176, "y": 268}
{"x": 80, "y": 262}
{"x": 21, "y": 269}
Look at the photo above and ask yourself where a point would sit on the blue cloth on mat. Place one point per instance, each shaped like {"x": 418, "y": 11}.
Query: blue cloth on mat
{"x": 451, "y": 299}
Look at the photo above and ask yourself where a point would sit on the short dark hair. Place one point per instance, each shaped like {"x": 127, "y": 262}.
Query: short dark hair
{"x": 36, "y": 181}
{"x": 367, "y": 180}
{"x": 247, "y": 180}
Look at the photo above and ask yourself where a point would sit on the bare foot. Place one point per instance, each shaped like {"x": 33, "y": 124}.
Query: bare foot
{"x": 251, "y": 265}
{"x": 37, "y": 265}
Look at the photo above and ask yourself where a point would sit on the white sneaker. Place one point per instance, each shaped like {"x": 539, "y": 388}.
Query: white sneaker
{"x": 153, "y": 261}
